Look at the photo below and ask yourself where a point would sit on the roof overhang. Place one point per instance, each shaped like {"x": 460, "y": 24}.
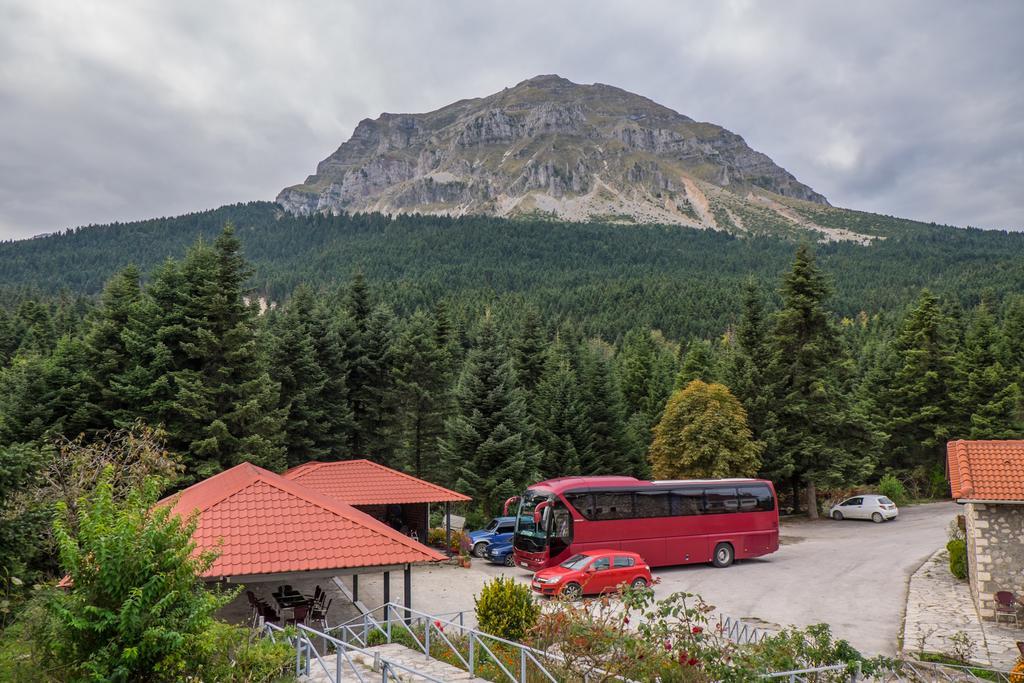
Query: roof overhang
{"x": 962, "y": 501}
{"x": 314, "y": 574}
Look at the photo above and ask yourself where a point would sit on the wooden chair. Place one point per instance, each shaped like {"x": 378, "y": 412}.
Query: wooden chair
{"x": 319, "y": 612}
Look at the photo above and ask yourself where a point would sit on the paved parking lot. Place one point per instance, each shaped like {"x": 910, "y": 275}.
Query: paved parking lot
{"x": 851, "y": 574}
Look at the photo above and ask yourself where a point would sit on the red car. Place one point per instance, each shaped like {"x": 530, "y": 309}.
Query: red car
{"x": 593, "y": 571}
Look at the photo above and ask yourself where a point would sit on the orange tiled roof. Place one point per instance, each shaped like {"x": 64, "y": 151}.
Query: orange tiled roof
{"x": 986, "y": 470}
{"x": 262, "y": 523}
{"x": 362, "y": 482}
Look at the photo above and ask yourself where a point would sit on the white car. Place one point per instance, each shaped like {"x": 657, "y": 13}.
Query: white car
{"x": 868, "y": 506}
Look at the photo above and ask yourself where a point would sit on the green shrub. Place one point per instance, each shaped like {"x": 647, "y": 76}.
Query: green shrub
{"x": 232, "y": 654}
{"x": 136, "y": 609}
{"x": 957, "y": 548}
{"x": 893, "y": 489}
{"x": 506, "y": 609}
{"x": 435, "y": 538}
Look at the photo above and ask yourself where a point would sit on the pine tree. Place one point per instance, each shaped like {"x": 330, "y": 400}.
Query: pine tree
{"x": 488, "y": 442}
{"x": 223, "y": 405}
{"x": 422, "y": 382}
{"x": 530, "y": 346}
{"x": 110, "y": 359}
{"x": 379, "y": 429}
{"x": 563, "y": 435}
{"x": 988, "y": 394}
{"x": 331, "y": 332}
{"x": 698, "y": 363}
{"x": 602, "y": 400}
{"x": 918, "y": 393}
{"x": 703, "y": 433}
{"x": 812, "y": 428}
{"x": 8, "y": 338}
{"x": 746, "y": 373}
{"x": 295, "y": 367}
{"x": 361, "y": 369}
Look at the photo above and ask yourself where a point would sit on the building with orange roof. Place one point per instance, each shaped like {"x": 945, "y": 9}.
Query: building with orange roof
{"x": 395, "y": 498}
{"x": 987, "y": 478}
{"x": 268, "y": 529}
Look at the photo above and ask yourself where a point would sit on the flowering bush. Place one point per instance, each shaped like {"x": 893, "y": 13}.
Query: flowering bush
{"x": 435, "y": 538}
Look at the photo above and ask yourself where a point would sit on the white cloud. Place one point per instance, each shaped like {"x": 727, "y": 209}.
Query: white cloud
{"x": 124, "y": 110}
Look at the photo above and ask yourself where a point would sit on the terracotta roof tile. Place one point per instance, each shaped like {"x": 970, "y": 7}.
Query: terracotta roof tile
{"x": 986, "y": 470}
{"x": 263, "y": 523}
{"x": 363, "y": 482}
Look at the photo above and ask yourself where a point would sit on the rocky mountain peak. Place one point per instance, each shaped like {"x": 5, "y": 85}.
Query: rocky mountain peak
{"x": 551, "y": 147}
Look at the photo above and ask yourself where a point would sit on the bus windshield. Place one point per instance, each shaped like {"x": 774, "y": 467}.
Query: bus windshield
{"x": 529, "y": 536}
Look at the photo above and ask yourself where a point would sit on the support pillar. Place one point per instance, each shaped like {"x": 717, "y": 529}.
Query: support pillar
{"x": 387, "y": 587}
{"x": 407, "y": 572}
{"x": 447, "y": 529}
{"x": 355, "y": 588}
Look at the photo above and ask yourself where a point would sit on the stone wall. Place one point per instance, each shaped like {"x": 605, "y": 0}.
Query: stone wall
{"x": 995, "y": 552}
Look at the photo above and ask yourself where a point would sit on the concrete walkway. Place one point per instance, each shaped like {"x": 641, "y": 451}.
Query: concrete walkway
{"x": 939, "y": 606}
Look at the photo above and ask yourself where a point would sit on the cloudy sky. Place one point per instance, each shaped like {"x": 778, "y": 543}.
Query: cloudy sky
{"x": 141, "y": 108}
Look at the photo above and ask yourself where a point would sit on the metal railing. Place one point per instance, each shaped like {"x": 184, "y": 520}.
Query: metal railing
{"x": 475, "y": 649}
{"x": 306, "y": 654}
{"x": 739, "y": 632}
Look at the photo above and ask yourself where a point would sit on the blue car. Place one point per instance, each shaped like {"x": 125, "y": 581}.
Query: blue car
{"x": 500, "y": 553}
{"x": 498, "y": 530}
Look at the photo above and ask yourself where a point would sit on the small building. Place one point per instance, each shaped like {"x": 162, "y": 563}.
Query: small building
{"x": 987, "y": 478}
{"x": 270, "y": 531}
{"x": 400, "y": 500}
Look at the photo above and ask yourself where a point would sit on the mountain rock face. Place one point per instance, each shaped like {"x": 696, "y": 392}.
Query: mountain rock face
{"x": 550, "y": 147}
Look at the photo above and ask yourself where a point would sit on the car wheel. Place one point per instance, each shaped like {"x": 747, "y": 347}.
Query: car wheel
{"x": 639, "y": 582}
{"x": 510, "y": 560}
{"x": 723, "y": 555}
{"x": 572, "y": 591}
{"x": 877, "y": 518}
{"x": 479, "y": 548}
{"x": 837, "y": 515}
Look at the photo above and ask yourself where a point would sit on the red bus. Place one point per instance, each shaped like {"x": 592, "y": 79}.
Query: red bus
{"x": 666, "y": 522}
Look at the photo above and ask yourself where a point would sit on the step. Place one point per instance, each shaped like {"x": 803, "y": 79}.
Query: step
{"x": 393, "y": 652}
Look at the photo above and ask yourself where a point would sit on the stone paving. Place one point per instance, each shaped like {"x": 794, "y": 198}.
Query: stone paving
{"x": 392, "y": 652}
{"x": 939, "y": 606}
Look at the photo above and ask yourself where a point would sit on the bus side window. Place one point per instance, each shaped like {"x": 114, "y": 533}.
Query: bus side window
{"x": 757, "y": 497}
{"x": 583, "y": 502}
{"x": 687, "y": 502}
{"x": 613, "y": 505}
{"x": 720, "y": 500}
{"x": 653, "y": 504}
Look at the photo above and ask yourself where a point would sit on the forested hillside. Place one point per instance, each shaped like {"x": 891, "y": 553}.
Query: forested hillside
{"x": 514, "y": 394}
{"x": 607, "y": 279}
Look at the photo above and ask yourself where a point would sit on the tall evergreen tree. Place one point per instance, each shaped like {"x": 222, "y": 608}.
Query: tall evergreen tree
{"x": 362, "y": 371}
{"x": 529, "y": 351}
{"x": 488, "y": 444}
{"x": 223, "y": 407}
{"x": 988, "y": 394}
{"x": 919, "y": 392}
{"x": 331, "y": 331}
{"x": 810, "y": 429}
{"x": 110, "y": 358}
{"x": 296, "y": 369}
{"x": 747, "y": 376}
{"x": 605, "y": 415}
{"x": 423, "y": 385}
{"x": 379, "y": 426}
{"x": 563, "y": 435}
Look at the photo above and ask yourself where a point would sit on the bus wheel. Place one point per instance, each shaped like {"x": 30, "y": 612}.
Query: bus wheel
{"x": 479, "y": 548}
{"x": 639, "y": 582}
{"x": 572, "y": 591}
{"x": 723, "y": 555}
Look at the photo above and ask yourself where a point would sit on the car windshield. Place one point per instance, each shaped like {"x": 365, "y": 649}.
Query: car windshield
{"x": 884, "y": 501}
{"x": 492, "y": 525}
{"x": 576, "y": 562}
